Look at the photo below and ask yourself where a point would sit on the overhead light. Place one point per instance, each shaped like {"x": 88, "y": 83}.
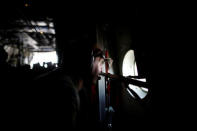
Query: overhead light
{"x": 26, "y": 5}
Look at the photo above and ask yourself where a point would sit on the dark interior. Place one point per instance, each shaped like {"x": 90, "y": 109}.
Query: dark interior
{"x": 72, "y": 30}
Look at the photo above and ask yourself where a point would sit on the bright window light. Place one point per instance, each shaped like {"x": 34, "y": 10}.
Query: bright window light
{"x": 41, "y": 57}
{"x": 129, "y": 68}
{"x": 142, "y": 92}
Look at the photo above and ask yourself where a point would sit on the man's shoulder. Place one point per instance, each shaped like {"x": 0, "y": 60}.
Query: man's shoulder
{"x": 57, "y": 79}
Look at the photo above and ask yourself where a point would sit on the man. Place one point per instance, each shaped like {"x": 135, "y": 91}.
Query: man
{"x": 61, "y": 97}
{"x": 97, "y": 64}
{"x": 96, "y": 69}
{"x": 93, "y": 99}
{"x": 55, "y": 94}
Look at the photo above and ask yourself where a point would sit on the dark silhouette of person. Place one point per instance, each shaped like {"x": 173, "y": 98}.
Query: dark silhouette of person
{"x": 7, "y": 89}
{"x": 5, "y": 69}
{"x": 3, "y": 57}
{"x": 55, "y": 96}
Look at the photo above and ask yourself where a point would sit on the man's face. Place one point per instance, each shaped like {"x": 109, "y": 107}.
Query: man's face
{"x": 97, "y": 66}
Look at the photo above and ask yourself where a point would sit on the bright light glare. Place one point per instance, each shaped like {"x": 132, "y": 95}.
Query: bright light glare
{"x": 40, "y": 57}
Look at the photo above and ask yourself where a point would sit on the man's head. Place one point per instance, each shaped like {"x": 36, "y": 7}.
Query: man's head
{"x": 97, "y": 63}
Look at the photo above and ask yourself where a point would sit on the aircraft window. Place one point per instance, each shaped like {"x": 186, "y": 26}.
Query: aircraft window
{"x": 129, "y": 68}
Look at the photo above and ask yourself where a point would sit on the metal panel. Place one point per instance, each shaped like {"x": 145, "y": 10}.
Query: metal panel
{"x": 101, "y": 93}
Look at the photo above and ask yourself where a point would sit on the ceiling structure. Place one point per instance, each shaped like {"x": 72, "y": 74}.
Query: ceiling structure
{"x": 24, "y": 29}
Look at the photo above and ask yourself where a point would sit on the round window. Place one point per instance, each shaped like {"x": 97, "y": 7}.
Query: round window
{"x": 129, "y": 68}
